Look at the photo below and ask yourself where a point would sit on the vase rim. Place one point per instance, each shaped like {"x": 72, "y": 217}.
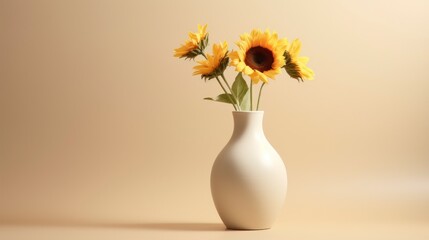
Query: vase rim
{"x": 248, "y": 112}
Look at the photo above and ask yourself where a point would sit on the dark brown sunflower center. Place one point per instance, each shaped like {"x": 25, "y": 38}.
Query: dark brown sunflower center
{"x": 259, "y": 58}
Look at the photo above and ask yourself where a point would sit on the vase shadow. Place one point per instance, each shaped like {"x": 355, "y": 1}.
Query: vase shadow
{"x": 162, "y": 226}
{"x": 169, "y": 226}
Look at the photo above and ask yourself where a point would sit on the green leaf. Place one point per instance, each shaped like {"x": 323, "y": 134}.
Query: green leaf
{"x": 239, "y": 88}
{"x": 245, "y": 103}
{"x": 218, "y": 71}
{"x": 224, "y": 97}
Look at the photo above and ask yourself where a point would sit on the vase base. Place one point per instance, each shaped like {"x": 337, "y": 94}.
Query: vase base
{"x": 246, "y": 229}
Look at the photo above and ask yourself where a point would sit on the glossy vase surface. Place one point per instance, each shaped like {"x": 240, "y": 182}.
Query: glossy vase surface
{"x": 248, "y": 178}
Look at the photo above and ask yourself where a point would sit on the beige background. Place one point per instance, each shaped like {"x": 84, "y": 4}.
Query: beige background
{"x": 99, "y": 123}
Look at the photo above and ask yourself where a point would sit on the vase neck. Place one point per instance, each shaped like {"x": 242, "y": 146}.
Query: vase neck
{"x": 250, "y": 121}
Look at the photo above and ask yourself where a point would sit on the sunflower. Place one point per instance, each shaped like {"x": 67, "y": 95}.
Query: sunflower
{"x": 194, "y": 45}
{"x": 295, "y": 65}
{"x": 215, "y": 64}
{"x": 260, "y": 55}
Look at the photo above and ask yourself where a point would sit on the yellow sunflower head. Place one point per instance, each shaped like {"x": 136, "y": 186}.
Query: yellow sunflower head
{"x": 195, "y": 44}
{"x": 295, "y": 65}
{"x": 260, "y": 55}
{"x": 215, "y": 64}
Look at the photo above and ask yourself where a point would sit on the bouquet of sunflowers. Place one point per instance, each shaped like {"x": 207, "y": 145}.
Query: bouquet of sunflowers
{"x": 260, "y": 56}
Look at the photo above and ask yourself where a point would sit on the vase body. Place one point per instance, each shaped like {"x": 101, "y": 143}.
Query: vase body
{"x": 248, "y": 178}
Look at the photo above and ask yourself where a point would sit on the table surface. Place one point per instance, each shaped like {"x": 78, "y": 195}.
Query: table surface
{"x": 207, "y": 231}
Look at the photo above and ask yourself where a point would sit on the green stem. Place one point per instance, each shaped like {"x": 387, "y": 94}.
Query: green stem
{"x": 230, "y": 90}
{"x": 232, "y": 101}
{"x": 223, "y": 88}
{"x": 251, "y": 95}
{"x": 259, "y": 97}
{"x": 223, "y": 77}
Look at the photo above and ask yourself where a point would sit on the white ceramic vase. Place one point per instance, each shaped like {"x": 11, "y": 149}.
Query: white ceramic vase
{"x": 248, "y": 178}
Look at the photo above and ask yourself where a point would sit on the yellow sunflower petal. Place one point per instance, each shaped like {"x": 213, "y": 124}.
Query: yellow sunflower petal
{"x": 209, "y": 67}
{"x": 248, "y": 70}
{"x": 296, "y": 65}
{"x": 259, "y": 55}
{"x": 233, "y": 55}
{"x": 254, "y": 77}
{"x": 202, "y": 30}
{"x": 295, "y": 48}
{"x": 303, "y": 60}
{"x": 271, "y": 73}
{"x": 307, "y": 73}
{"x": 262, "y": 76}
{"x": 240, "y": 66}
{"x": 191, "y": 43}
